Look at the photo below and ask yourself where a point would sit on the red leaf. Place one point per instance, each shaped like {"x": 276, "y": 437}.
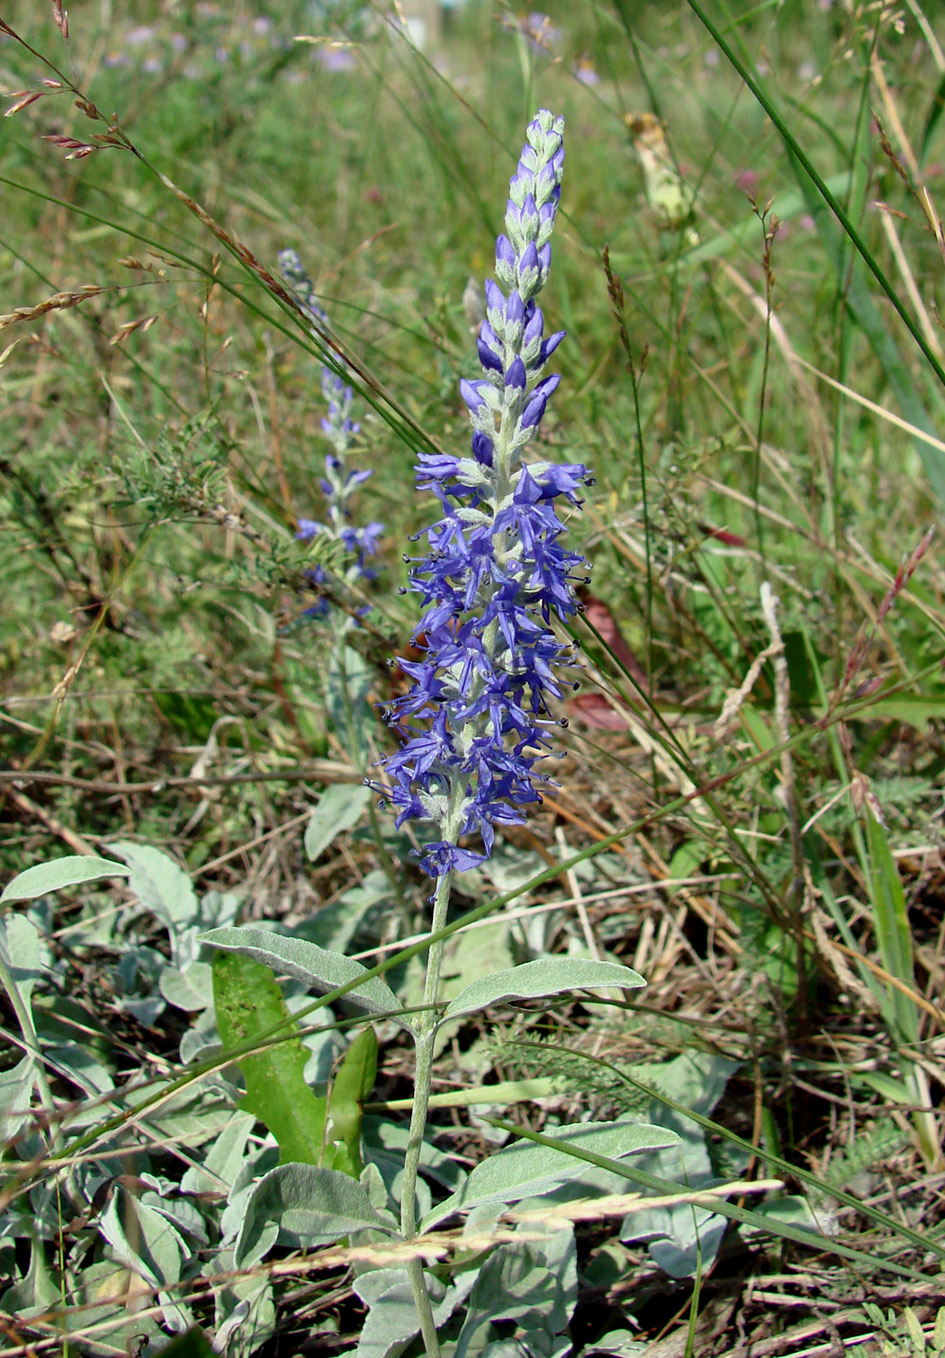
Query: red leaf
{"x": 723, "y": 535}
{"x": 603, "y": 621}
{"x": 594, "y": 710}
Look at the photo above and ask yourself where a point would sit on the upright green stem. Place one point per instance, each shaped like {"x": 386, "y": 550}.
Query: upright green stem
{"x": 426, "y": 1035}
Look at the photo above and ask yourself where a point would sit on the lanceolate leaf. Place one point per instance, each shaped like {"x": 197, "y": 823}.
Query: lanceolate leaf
{"x": 524, "y": 1170}
{"x": 392, "y": 1320}
{"x": 249, "y": 1004}
{"x": 729, "y": 1209}
{"x": 19, "y": 949}
{"x": 146, "y": 1242}
{"x": 534, "y": 980}
{"x": 16, "y": 1089}
{"x": 160, "y": 884}
{"x": 72, "y": 870}
{"x": 892, "y": 928}
{"x": 319, "y": 969}
{"x": 339, "y": 809}
{"x": 303, "y": 1205}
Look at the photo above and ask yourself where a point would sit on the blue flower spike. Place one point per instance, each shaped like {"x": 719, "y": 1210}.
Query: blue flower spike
{"x": 495, "y": 574}
{"x": 338, "y": 482}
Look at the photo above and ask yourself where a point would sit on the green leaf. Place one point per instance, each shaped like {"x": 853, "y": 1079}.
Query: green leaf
{"x": 892, "y": 927}
{"x": 533, "y": 980}
{"x": 893, "y": 1091}
{"x": 160, "y": 885}
{"x": 16, "y": 1091}
{"x": 303, "y": 1205}
{"x": 249, "y": 1003}
{"x": 318, "y": 969}
{"x": 339, "y": 808}
{"x": 145, "y": 1242}
{"x": 58, "y": 874}
{"x": 871, "y": 321}
{"x": 935, "y": 109}
{"x": 914, "y": 709}
{"x": 349, "y": 704}
{"x": 758, "y": 728}
{"x": 19, "y": 948}
{"x": 534, "y": 1283}
{"x": 686, "y": 862}
{"x": 526, "y": 1170}
{"x": 350, "y": 1087}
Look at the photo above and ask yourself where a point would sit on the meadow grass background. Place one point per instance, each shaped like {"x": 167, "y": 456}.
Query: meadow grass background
{"x": 160, "y": 440}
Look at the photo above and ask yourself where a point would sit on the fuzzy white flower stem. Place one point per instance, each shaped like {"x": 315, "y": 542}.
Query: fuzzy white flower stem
{"x": 501, "y": 489}
{"x": 423, "y": 1079}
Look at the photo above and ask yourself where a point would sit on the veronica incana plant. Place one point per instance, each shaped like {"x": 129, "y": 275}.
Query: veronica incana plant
{"x": 494, "y": 577}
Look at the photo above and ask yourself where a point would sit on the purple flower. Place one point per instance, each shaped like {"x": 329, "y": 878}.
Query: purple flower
{"x": 495, "y": 574}
{"x": 335, "y": 58}
{"x": 538, "y": 31}
{"x": 339, "y": 481}
{"x": 584, "y": 70}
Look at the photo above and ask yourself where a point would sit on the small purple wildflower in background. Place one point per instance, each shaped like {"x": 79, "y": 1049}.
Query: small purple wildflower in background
{"x": 495, "y": 573}
{"x": 585, "y": 71}
{"x": 335, "y": 57}
{"x": 338, "y": 482}
{"x": 537, "y": 29}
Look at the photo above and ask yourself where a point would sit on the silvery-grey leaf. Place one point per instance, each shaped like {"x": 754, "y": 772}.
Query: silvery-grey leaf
{"x": 526, "y": 1169}
{"x": 161, "y": 886}
{"x": 59, "y": 873}
{"x": 534, "y": 1283}
{"x": 190, "y": 990}
{"x": 19, "y": 947}
{"x": 339, "y": 808}
{"x": 218, "y": 1171}
{"x": 535, "y": 980}
{"x": 16, "y": 1088}
{"x": 320, "y": 970}
{"x": 303, "y": 1205}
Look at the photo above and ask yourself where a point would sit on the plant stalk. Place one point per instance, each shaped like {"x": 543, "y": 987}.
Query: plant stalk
{"x": 423, "y": 1079}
